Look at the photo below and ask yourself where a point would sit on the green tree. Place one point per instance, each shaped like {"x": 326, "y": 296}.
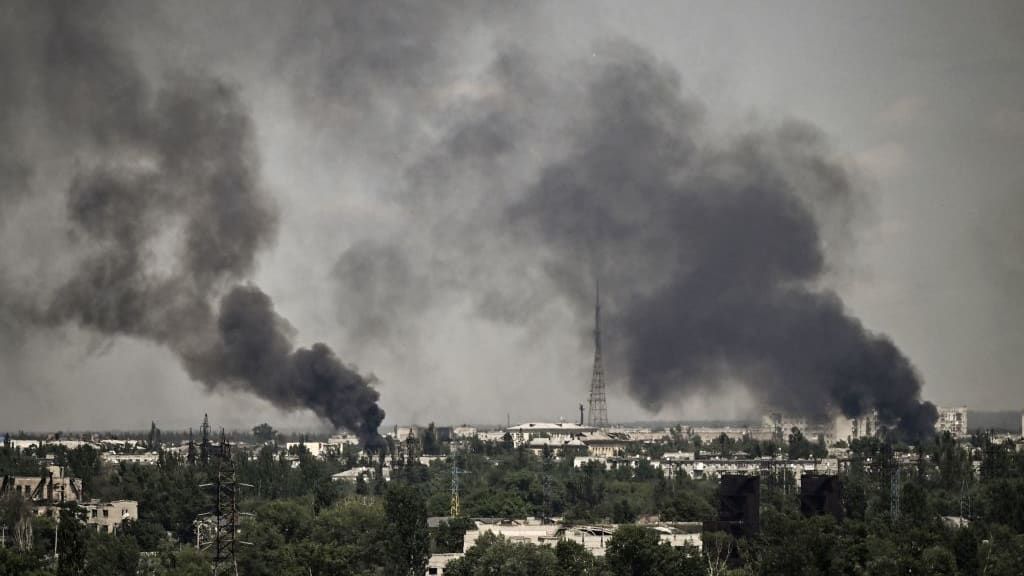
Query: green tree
{"x": 496, "y": 555}
{"x": 938, "y": 561}
{"x": 798, "y": 447}
{"x": 574, "y": 559}
{"x": 71, "y": 544}
{"x": 20, "y": 563}
{"x": 638, "y": 551}
{"x": 110, "y": 554}
{"x": 409, "y": 540}
{"x": 84, "y": 462}
{"x": 451, "y": 534}
{"x": 1001, "y": 552}
{"x": 264, "y": 433}
{"x": 623, "y": 513}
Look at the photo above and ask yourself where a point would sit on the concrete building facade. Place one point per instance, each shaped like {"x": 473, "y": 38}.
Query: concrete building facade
{"x": 593, "y": 538}
{"x": 108, "y": 517}
{"x": 953, "y": 420}
{"x": 50, "y": 486}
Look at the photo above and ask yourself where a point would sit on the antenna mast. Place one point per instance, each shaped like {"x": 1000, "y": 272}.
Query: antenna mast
{"x": 598, "y": 417}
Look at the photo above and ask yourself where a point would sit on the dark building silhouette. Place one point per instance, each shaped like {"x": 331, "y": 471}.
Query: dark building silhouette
{"x": 821, "y": 494}
{"x": 739, "y": 506}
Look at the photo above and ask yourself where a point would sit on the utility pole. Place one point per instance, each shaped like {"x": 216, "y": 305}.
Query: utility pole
{"x": 546, "y": 485}
{"x": 966, "y": 508}
{"x": 56, "y": 533}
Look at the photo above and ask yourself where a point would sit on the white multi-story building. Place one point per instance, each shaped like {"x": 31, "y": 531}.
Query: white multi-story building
{"x": 558, "y": 433}
{"x": 593, "y": 538}
{"x": 849, "y": 429}
{"x": 147, "y": 458}
{"x": 491, "y": 435}
{"x": 782, "y": 423}
{"x": 342, "y": 440}
{"x": 953, "y": 420}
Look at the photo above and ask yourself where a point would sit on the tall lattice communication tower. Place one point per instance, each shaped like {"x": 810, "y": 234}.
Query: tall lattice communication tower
{"x": 598, "y": 417}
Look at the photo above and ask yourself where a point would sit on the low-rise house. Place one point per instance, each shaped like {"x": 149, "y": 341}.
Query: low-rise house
{"x": 606, "y": 445}
{"x": 109, "y": 517}
{"x": 316, "y": 449}
{"x": 672, "y": 457}
{"x": 368, "y": 474}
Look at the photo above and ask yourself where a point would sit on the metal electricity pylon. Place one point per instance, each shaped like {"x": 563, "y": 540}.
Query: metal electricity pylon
{"x": 218, "y": 530}
{"x": 455, "y": 508}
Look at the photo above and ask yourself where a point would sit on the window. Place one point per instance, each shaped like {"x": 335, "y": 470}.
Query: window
{"x": 94, "y": 513}
{"x": 106, "y": 513}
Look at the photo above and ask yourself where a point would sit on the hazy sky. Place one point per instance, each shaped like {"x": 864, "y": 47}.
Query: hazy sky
{"x": 382, "y": 132}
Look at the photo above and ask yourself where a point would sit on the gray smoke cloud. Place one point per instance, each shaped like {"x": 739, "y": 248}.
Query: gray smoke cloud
{"x": 712, "y": 254}
{"x": 711, "y": 251}
{"x": 170, "y": 213}
{"x": 499, "y": 171}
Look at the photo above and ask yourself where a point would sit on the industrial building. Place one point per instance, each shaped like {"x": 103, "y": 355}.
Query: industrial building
{"x": 50, "y": 486}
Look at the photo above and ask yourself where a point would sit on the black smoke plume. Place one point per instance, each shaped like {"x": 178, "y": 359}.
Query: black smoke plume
{"x": 712, "y": 253}
{"x": 255, "y": 351}
{"x": 173, "y": 169}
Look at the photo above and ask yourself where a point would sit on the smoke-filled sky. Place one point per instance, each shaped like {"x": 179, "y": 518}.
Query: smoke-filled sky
{"x": 814, "y": 208}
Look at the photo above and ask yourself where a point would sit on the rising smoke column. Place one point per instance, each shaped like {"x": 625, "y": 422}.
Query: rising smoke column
{"x": 174, "y": 169}
{"x": 713, "y": 254}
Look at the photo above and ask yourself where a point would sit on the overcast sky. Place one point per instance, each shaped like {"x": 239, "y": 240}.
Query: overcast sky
{"x": 362, "y": 114}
